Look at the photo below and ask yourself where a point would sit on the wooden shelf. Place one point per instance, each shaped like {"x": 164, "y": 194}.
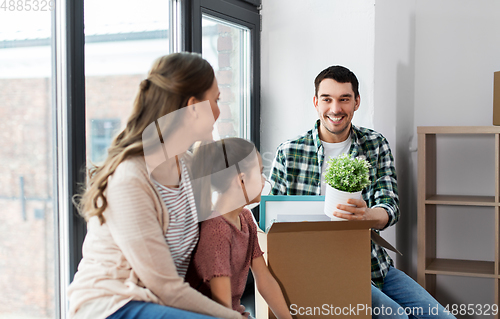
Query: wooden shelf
{"x": 455, "y": 267}
{"x": 458, "y": 129}
{"x": 429, "y": 265}
{"x": 461, "y": 200}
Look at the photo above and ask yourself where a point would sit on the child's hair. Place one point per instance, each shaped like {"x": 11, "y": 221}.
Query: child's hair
{"x": 171, "y": 82}
{"x": 213, "y": 157}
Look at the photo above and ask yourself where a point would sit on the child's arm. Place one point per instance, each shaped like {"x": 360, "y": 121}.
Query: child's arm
{"x": 269, "y": 288}
{"x": 221, "y": 290}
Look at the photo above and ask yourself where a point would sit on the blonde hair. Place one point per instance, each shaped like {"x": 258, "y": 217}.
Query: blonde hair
{"x": 171, "y": 82}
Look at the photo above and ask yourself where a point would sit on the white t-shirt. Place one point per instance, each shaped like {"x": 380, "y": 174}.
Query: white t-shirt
{"x": 332, "y": 150}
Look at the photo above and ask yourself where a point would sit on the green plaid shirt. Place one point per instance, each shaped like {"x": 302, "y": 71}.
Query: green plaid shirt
{"x": 297, "y": 167}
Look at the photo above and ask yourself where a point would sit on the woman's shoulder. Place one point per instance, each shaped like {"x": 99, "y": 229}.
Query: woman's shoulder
{"x": 130, "y": 175}
{"x": 130, "y": 167}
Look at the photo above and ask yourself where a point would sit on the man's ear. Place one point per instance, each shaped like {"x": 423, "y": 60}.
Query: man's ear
{"x": 315, "y": 102}
{"x": 358, "y": 102}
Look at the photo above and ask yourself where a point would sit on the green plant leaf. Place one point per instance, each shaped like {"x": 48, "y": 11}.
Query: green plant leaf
{"x": 348, "y": 174}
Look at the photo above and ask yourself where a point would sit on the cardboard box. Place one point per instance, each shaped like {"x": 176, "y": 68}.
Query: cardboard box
{"x": 496, "y": 99}
{"x": 323, "y": 268}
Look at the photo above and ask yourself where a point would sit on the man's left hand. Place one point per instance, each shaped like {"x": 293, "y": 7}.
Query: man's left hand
{"x": 360, "y": 211}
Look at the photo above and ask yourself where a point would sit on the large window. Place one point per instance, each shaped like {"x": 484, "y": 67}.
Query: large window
{"x": 27, "y": 215}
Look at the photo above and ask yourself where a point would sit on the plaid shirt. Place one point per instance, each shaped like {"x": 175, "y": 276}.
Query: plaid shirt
{"x": 297, "y": 167}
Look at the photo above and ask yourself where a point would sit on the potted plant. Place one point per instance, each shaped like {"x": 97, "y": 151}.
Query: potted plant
{"x": 345, "y": 178}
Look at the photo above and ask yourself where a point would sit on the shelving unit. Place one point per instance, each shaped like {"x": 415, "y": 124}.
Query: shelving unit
{"x": 429, "y": 265}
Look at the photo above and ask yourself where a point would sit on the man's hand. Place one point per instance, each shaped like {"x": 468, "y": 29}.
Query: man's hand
{"x": 361, "y": 212}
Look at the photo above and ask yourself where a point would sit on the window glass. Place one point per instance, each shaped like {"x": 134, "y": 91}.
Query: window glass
{"x": 27, "y": 256}
{"x": 122, "y": 39}
{"x": 101, "y": 133}
{"x": 226, "y": 46}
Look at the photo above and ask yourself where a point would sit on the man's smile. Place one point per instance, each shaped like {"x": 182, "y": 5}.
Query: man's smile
{"x": 335, "y": 119}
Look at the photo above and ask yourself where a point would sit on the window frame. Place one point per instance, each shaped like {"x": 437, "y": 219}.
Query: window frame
{"x": 243, "y": 13}
{"x": 68, "y": 105}
{"x": 77, "y": 127}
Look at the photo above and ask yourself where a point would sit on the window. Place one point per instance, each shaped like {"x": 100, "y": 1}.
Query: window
{"x": 226, "y": 46}
{"x": 227, "y": 33}
{"x": 27, "y": 219}
{"x": 122, "y": 39}
{"x": 101, "y": 134}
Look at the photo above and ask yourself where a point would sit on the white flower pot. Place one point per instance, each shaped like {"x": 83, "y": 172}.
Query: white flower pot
{"x": 333, "y": 197}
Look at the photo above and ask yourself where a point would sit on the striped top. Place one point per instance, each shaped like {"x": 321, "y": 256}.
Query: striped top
{"x": 182, "y": 233}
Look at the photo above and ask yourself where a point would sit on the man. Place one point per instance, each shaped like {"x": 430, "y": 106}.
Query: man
{"x": 299, "y": 167}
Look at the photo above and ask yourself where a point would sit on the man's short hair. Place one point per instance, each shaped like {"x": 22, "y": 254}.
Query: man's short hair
{"x": 340, "y": 74}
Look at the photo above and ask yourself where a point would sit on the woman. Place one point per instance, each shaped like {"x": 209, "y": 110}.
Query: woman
{"x": 142, "y": 223}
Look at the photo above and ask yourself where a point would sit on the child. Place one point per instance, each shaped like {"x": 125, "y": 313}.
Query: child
{"x": 228, "y": 243}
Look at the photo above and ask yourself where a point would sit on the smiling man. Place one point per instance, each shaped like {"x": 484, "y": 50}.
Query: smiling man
{"x": 299, "y": 166}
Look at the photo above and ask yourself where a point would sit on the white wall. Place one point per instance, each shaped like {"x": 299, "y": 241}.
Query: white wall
{"x": 394, "y": 108}
{"x": 420, "y": 63}
{"x": 457, "y": 50}
{"x": 299, "y": 41}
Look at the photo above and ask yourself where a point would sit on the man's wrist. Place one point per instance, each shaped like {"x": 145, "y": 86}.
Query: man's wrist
{"x": 380, "y": 215}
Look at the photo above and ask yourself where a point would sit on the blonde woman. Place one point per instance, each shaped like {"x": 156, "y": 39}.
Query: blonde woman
{"x": 139, "y": 206}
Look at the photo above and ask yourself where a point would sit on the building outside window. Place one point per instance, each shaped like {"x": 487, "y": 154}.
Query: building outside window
{"x": 27, "y": 256}
{"x": 226, "y": 46}
{"x": 122, "y": 39}
{"x": 102, "y": 132}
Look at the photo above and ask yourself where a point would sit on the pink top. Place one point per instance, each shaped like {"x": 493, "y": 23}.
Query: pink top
{"x": 224, "y": 250}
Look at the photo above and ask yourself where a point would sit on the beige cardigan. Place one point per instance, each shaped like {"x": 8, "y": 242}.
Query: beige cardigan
{"x": 127, "y": 258}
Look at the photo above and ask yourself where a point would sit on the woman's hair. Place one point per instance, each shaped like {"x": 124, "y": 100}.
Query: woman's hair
{"x": 214, "y": 157}
{"x": 171, "y": 82}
